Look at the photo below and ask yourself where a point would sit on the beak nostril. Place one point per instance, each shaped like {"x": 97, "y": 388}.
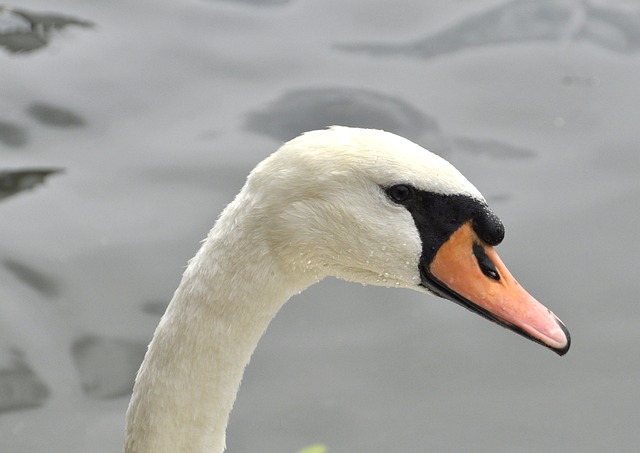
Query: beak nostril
{"x": 484, "y": 262}
{"x": 490, "y": 273}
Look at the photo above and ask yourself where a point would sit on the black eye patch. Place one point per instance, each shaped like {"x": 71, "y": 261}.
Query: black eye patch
{"x": 438, "y": 215}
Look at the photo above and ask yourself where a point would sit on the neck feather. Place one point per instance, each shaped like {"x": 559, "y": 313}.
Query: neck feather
{"x": 190, "y": 376}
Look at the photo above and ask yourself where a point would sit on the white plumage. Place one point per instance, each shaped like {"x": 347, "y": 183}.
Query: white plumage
{"x": 314, "y": 208}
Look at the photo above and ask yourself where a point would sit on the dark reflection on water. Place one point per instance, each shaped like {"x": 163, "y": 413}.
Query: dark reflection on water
{"x": 107, "y": 366}
{"x": 54, "y": 116}
{"x": 20, "y": 388}
{"x": 15, "y": 181}
{"x": 35, "y": 279}
{"x": 301, "y": 110}
{"x": 523, "y": 21}
{"x": 315, "y": 108}
{"x": 24, "y": 31}
{"x": 12, "y": 135}
{"x": 16, "y": 136}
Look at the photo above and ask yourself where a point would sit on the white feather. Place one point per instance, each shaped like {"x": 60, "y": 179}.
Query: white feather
{"x": 313, "y": 208}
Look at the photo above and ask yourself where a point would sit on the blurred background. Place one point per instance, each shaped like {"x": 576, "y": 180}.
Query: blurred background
{"x": 127, "y": 126}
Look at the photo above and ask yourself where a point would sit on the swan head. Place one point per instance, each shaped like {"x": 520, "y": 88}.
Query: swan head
{"x": 372, "y": 207}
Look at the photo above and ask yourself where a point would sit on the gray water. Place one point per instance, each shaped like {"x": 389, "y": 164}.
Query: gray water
{"x": 126, "y": 126}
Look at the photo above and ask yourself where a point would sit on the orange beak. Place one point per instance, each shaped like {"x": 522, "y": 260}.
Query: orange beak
{"x": 469, "y": 272}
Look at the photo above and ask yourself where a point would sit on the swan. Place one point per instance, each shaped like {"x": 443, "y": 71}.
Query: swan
{"x": 363, "y": 205}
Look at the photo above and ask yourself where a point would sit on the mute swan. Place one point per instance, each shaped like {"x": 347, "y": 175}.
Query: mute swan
{"x": 322, "y": 205}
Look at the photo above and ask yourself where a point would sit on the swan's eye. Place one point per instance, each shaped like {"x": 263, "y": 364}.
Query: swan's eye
{"x": 399, "y": 193}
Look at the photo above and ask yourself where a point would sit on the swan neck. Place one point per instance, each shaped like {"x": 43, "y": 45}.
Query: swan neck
{"x": 188, "y": 381}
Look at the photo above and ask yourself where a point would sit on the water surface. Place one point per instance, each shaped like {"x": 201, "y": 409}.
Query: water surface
{"x": 126, "y": 127}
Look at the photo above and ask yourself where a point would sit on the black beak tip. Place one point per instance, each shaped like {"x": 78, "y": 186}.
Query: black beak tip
{"x": 565, "y": 349}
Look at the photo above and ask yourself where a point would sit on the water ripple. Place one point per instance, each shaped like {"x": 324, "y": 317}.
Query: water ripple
{"x": 551, "y": 21}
